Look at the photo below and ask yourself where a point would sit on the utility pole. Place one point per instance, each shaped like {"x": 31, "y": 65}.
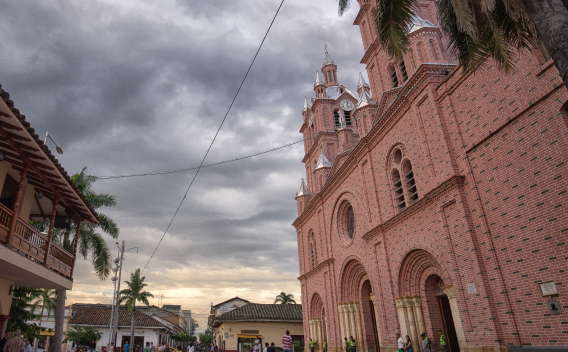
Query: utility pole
{"x": 114, "y": 279}
{"x": 117, "y": 297}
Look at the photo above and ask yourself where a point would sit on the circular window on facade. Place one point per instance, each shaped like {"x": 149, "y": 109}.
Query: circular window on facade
{"x": 350, "y": 221}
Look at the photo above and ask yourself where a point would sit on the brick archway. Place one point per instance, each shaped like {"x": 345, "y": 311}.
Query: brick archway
{"x": 352, "y": 278}
{"x": 316, "y": 307}
{"x": 415, "y": 268}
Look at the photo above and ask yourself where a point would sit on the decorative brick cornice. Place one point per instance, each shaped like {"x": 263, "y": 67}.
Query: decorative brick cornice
{"x": 317, "y": 269}
{"x": 360, "y": 14}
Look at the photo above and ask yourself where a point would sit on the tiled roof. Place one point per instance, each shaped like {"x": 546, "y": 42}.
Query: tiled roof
{"x": 264, "y": 312}
{"x": 96, "y": 315}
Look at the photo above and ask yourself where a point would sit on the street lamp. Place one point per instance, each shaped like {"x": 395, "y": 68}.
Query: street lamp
{"x": 58, "y": 148}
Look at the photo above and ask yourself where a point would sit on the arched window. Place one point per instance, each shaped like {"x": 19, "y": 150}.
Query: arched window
{"x": 334, "y": 77}
{"x": 434, "y": 50}
{"x": 409, "y": 181}
{"x": 403, "y": 72}
{"x": 392, "y": 75}
{"x": 398, "y": 191}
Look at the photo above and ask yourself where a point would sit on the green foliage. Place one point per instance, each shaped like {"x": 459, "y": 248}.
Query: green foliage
{"x": 82, "y": 335}
{"x": 21, "y": 312}
{"x": 183, "y": 337}
{"x": 135, "y": 291}
{"x": 90, "y": 241}
{"x": 284, "y": 298}
{"x": 47, "y": 300}
{"x": 206, "y": 339}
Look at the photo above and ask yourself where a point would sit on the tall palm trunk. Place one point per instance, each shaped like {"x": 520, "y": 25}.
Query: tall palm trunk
{"x": 132, "y": 327}
{"x": 551, "y": 20}
{"x": 36, "y": 341}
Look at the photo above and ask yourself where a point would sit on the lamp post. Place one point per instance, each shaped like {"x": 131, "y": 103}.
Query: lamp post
{"x": 114, "y": 279}
{"x": 117, "y": 296}
{"x": 58, "y": 148}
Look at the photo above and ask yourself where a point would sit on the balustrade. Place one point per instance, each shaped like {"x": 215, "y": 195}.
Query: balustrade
{"x": 32, "y": 243}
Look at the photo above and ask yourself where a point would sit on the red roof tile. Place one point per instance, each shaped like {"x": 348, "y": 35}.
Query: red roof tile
{"x": 86, "y": 315}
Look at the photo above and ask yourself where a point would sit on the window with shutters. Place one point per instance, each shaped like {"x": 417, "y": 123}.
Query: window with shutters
{"x": 403, "y": 73}
{"x": 313, "y": 249}
{"x": 392, "y": 76}
{"x": 404, "y": 188}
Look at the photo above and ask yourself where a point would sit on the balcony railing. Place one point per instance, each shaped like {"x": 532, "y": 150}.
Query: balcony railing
{"x": 28, "y": 241}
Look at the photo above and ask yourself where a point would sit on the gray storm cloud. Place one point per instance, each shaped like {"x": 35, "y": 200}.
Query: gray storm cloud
{"x": 140, "y": 86}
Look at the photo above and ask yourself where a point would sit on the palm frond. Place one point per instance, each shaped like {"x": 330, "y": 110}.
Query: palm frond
{"x": 344, "y": 6}
{"x": 108, "y": 226}
{"x": 392, "y": 19}
{"x": 101, "y": 200}
{"x": 100, "y": 255}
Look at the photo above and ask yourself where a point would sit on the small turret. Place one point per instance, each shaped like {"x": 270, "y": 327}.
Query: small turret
{"x": 319, "y": 87}
{"x": 329, "y": 70}
{"x": 302, "y": 197}
{"x": 321, "y": 172}
{"x": 362, "y": 86}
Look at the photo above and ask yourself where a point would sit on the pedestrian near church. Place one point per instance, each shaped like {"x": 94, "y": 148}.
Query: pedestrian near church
{"x": 346, "y": 344}
{"x": 265, "y": 349}
{"x": 15, "y": 344}
{"x": 443, "y": 341}
{"x": 352, "y": 344}
{"x": 287, "y": 342}
{"x": 324, "y": 345}
{"x": 399, "y": 342}
{"x": 312, "y": 345}
{"x": 426, "y": 343}
{"x": 126, "y": 347}
{"x": 408, "y": 344}
{"x": 28, "y": 347}
{"x": 5, "y": 339}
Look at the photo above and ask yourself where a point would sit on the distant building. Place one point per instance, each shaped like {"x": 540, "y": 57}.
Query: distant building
{"x": 237, "y": 329}
{"x": 173, "y": 315}
{"x": 149, "y": 327}
{"x": 225, "y": 307}
{"x": 190, "y": 329}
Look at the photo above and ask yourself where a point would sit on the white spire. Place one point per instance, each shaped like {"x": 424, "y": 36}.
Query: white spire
{"x": 303, "y": 189}
{"x": 322, "y": 161}
{"x": 327, "y": 60}
{"x": 365, "y": 100}
{"x": 305, "y": 104}
{"x": 417, "y": 23}
{"x": 318, "y": 80}
{"x": 362, "y": 83}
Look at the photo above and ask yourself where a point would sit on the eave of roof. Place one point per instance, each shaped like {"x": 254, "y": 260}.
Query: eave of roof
{"x": 13, "y": 126}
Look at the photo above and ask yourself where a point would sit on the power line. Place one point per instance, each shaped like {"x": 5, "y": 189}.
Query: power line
{"x": 216, "y": 133}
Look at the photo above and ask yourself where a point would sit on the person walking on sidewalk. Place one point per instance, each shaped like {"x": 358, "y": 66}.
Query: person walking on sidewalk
{"x": 287, "y": 342}
{"x": 324, "y": 345}
{"x": 312, "y": 345}
{"x": 426, "y": 344}
{"x": 399, "y": 342}
{"x": 346, "y": 344}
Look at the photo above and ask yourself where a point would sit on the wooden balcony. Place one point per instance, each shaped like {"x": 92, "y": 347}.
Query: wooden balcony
{"x": 31, "y": 243}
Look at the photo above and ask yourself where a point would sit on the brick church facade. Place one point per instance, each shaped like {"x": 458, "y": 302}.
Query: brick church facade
{"x": 434, "y": 200}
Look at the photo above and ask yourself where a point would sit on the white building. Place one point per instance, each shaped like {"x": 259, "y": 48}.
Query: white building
{"x": 48, "y": 322}
{"x": 149, "y": 328}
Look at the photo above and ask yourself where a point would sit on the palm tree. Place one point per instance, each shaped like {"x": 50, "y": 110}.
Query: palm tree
{"x": 89, "y": 240}
{"x": 284, "y": 298}
{"x": 47, "y": 299}
{"x": 129, "y": 296}
{"x": 478, "y": 29}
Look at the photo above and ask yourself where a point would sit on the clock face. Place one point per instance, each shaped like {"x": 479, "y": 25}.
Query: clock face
{"x": 346, "y": 105}
{"x": 311, "y": 119}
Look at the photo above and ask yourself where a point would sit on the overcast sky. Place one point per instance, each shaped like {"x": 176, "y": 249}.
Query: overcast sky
{"x": 128, "y": 87}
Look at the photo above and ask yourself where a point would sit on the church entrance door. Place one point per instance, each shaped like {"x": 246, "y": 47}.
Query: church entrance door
{"x": 375, "y": 330}
{"x": 448, "y": 323}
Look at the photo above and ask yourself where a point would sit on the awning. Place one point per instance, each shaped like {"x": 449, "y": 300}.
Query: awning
{"x": 47, "y": 333}
{"x": 249, "y": 336}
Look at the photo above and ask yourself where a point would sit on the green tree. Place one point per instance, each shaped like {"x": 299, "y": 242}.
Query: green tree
{"x": 47, "y": 300}
{"x": 89, "y": 240}
{"x": 83, "y": 336}
{"x": 478, "y": 29}
{"x": 134, "y": 293}
{"x": 21, "y": 312}
{"x": 206, "y": 339}
{"x": 284, "y": 298}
